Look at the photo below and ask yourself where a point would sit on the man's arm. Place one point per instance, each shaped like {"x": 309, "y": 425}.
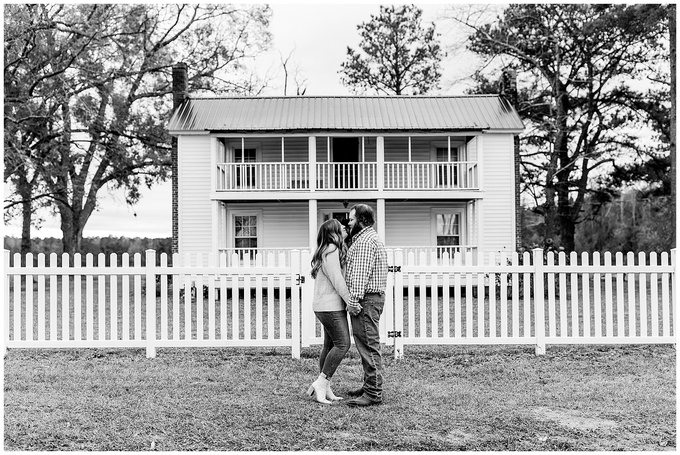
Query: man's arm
{"x": 362, "y": 268}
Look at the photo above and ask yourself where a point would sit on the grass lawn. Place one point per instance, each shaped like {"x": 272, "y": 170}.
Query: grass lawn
{"x": 437, "y": 398}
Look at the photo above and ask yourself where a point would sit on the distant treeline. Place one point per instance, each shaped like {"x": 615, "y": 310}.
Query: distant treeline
{"x": 633, "y": 222}
{"x": 95, "y": 245}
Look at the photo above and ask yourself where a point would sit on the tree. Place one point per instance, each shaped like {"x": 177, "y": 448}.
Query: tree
{"x": 87, "y": 93}
{"x": 29, "y": 63}
{"x": 292, "y": 69}
{"x": 571, "y": 59}
{"x": 398, "y": 55}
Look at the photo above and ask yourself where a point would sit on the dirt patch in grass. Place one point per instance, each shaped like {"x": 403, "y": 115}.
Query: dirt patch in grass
{"x": 573, "y": 419}
{"x": 460, "y": 437}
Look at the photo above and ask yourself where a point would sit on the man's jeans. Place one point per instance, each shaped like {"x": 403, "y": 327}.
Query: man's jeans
{"x": 367, "y": 340}
{"x": 336, "y": 340}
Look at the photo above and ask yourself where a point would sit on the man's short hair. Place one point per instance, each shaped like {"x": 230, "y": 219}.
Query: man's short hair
{"x": 364, "y": 214}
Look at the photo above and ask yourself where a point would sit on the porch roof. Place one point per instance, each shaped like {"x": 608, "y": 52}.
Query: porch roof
{"x": 300, "y": 113}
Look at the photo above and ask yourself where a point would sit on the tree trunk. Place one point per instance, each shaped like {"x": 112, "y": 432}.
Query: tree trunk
{"x": 565, "y": 221}
{"x": 557, "y": 178}
{"x": 72, "y": 232}
{"x": 24, "y": 190}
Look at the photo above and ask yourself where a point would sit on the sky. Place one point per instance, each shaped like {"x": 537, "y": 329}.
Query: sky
{"x": 317, "y": 34}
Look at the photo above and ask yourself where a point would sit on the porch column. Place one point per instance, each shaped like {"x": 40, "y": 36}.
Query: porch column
{"x": 215, "y": 225}
{"x": 312, "y": 225}
{"x": 381, "y": 219}
{"x": 479, "y": 219}
{"x": 380, "y": 152}
{"x": 214, "y": 205}
{"x": 480, "y": 162}
{"x": 312, "y": 164}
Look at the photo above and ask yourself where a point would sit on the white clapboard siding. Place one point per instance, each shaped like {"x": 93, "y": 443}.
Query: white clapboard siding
{"x": 194, "y": 203}
{"x": 277, "y": 218}
{"x": 411, "y": 223}
{"x": 498, "y": 228}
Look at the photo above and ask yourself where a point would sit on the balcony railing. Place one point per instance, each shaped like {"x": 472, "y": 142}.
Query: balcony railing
{"x": 431, "y": 176}
{"x": 459, "y": 175}
{"x": 347, "y": 176}
{"x": 262, "y": 176}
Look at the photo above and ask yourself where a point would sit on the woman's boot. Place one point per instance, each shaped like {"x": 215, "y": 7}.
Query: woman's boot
{"x": 329, "y": 393}
{"x": 319, "y": 388}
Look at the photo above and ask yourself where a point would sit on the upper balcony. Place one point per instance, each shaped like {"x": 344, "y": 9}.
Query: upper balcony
{"x": 416, "y": 176}
{"x": 431, "y": 165}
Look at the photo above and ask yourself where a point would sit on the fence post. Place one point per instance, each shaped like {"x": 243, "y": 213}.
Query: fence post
{"x": 308, "y": 320}
{"x": 539, "y": 301}
{"x": 295, "y": 286}
{"x": 5, "y": 324}
{"x": 674, "y": 293}
{"x": 150, "y": 304}
{"x": 399, "y": 305}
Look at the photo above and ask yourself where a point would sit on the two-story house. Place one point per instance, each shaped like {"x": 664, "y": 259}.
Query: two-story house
{"x": 262, "y": 173}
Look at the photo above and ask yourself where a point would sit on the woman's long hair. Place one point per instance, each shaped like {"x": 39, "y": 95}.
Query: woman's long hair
{"x": 330, "y": 233}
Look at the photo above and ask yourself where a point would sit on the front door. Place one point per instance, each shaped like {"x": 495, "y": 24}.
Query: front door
{"x": 346, "y": 155}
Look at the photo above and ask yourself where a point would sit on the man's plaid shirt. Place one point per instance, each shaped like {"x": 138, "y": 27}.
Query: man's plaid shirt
{"x": 366, "y": 266}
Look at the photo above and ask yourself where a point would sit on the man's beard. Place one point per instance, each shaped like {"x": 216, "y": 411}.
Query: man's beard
{"x": 355, "y": 230}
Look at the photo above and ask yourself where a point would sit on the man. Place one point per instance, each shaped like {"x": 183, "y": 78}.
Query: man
{"x": 366, "y": 276}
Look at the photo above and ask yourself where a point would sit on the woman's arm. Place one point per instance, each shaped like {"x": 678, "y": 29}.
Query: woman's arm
{"x": 332, "y": 269}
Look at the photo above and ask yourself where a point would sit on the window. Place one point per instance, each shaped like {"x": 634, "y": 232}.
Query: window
{"x": 443, "y": 154}
{"x": 245, "y": 234}
{"x": 248, "y": 155}
{"x": 448, "y": 231}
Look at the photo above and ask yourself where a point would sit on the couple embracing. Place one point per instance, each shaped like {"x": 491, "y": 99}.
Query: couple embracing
{"x": 350, "y": 279}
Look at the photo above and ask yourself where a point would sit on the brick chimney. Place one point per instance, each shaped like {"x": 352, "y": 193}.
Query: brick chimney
{"x": 508, "y": 89}
{"x": 179, "y": 94}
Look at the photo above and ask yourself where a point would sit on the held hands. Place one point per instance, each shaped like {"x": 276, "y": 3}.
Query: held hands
{"x": 352, "y": 310}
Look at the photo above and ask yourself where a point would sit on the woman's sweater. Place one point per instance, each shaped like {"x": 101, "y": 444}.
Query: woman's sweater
{"x": 330, "y": 290}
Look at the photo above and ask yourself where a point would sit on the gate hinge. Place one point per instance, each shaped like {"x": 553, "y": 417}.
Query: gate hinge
{"x": 394, "y": 334}
{"x": 300, "y": 279}
{"x": 394, "y": 268}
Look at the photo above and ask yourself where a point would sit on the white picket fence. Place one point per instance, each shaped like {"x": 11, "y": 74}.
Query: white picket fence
{"x": 534, "y": 299}
{"x": 191, "y": 303}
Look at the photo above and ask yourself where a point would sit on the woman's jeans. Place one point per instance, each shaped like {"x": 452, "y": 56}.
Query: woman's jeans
{"x": 336, "y": 340}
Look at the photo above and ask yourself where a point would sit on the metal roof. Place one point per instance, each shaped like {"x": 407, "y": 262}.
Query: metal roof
{"x": 472, "y": 112}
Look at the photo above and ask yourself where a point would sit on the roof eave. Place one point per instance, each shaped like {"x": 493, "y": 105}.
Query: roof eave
{"x": 313, "y": 131}
{"x": 504, "y": 130}
{"x": 188, "y": 132}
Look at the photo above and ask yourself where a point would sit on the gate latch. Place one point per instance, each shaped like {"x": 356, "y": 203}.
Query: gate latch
{"x": 300, "y": 279}
{"x": 394, "y": 334}
{"x": 394, "y": 268}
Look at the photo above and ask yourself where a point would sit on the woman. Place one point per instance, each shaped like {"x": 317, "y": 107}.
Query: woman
{"x": 330, "y": 295}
